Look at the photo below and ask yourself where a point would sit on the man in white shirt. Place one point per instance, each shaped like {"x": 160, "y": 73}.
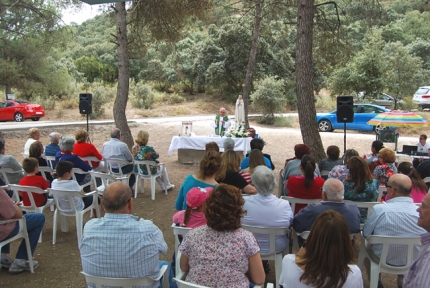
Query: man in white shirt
{"x": 397, "y": 217}
{"x": 221, "y": 122}
{"x": 116, "y": 149}
{"x": 422, "y": 149}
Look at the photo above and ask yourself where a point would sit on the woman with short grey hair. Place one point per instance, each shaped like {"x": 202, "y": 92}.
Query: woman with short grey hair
{"x": 267, "y": 210}
{"x": 67, "y": 143}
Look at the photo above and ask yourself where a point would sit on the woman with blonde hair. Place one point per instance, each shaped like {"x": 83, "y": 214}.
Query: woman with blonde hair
{"x": 33, "y": 135}
{"x": 142, "y": 151}
{"x": 325, "y": 261}
{"x": 205, "y": 177}
{"x": 234, "y": 252}
{"x": 229, "y": 172}
{"x": 382, "y": 172}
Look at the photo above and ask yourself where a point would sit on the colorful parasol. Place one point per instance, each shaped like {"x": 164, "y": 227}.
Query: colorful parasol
{"x": 398, "y": 119}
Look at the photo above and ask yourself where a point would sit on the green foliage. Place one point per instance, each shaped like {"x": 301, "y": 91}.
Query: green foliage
{"x": 326, "y": 102}
{"x": 408, "y": 104}
{"x": 173, "y": 98}
{"x": 281, "y": 121}
{"x": 142, "y": 96}
{"x": 101, "y": 96}
{"x": 48, "y": 103}
{"x": 70, "y": 103}
{"x": 269, "y": 98}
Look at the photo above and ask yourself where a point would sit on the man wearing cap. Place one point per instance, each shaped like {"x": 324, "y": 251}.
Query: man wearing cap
{"x": 221, "y": 122}
{"x": 194, "y": 216}
{"x": 418, "y": 274}
{"x": 119, "y": 245}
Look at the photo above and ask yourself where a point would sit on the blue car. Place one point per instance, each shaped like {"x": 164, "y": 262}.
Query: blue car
{"x": 327, "y": 122}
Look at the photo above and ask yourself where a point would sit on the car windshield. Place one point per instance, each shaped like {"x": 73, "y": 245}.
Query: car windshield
{"x": 422, "y": 91}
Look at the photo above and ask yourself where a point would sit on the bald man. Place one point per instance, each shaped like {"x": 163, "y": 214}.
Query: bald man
{"x": 332, "y": 195}
{"x": 397, "y": 217}
{"x": 119, "y": 245}
{"x": 221, "y": 122}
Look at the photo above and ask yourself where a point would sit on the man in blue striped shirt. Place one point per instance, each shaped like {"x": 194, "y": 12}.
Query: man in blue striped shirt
{"x": 397, "y": 217}
{"x": 119, "y": 245}
{"x": 419, "y": 273}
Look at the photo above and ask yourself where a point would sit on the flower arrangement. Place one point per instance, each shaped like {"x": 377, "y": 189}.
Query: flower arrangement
{"x": 237, "y": 131}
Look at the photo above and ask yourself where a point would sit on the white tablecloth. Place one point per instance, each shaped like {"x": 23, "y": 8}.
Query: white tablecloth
{"x": 198, "y": 143}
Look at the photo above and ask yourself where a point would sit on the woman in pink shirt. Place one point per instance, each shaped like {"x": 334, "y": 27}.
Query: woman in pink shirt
{"x": 194, "y": 216}
{"x": 419, "y": 187}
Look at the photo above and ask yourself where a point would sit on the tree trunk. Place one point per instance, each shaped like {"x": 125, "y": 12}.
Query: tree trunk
{"x": 8, "y": 90}
{"x": 123, "y": 75}
{"x": 305, "y": 96}
{"x": 251, "y": 60}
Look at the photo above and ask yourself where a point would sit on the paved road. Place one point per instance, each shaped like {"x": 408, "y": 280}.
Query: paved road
{"x": 30, "y": 124}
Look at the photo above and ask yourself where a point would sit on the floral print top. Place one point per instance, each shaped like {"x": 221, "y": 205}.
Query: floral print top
{"x": 370, "y": 194}
{"x": 219, "y": 259}
{"x": 147, "y": 153}
{"x": 384, "y": 171}
{"x": 339, "y": 172}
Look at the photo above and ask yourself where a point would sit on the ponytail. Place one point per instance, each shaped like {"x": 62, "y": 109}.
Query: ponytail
{"x": 186, "y": 216}
{"x": 308, "y": 167}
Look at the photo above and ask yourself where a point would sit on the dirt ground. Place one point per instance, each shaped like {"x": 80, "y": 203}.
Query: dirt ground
{"x": 60, "y": 263}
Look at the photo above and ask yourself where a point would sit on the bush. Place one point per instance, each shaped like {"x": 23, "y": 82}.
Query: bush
{"x": 326, "y": 102}
{"x": 69, "y": 103}
{"x": 408, "y": 104}
{"x": 173, "y": 98}
{"x": 269, "y": 98}
{"x": 48, "y": 103}
{"x": 143, "y": 96}
{"x": 284, "y": 121}
{"x": 101, "y": 96}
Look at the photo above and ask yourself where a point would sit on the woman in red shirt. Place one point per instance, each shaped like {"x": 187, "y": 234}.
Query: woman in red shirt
{"x": 306, "y": 186}
{"x": 83, "y": 148}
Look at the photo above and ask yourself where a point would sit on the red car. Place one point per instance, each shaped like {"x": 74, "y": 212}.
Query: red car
{"x": 20, "y": 110}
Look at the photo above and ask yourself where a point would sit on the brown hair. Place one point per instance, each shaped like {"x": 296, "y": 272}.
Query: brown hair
{"x": 359, "y": 173}
{"x": 333, "y": 152}
{"x": 256, "y": 158}
{"x": 308, "y": 166}
{"x": 328, "y": 252}
{"x": 36, "y": 149}
{"x": 230, "y": 161}
{"x": 63, "y": 167}
{"x": 212, "y": 145}
{"x": 29, "y": 164}
{"x": 186, "y": 216}
{"x": 223, "y": 208}
{"x": 301, "y": 150}
{"x": 142, "y": 138}
{"x": 209, "y": 165}
{"x": 388, "y": 155}
{"x": 409, "y": 170}
{"x": 81, "y": 136}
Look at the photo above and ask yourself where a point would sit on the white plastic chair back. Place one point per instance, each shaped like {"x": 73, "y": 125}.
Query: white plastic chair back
{"x": 149, "y": 176}
{"x": 90, "y": 159}
{"x": 32, "y": 208}
{"x": 180, "y": 281}
{"x": 60, "y": 211}
{"x": 381, "y": 266}
{"x": 177, "y": 230}
{"x": 367, "y": 205}
{"x": 382, "y": 189}
{"x": 304, "y": 235}
{"x": 50, "y": 160}
{"x": 80, "y": 172}
{"x": 116, "y": 164}
{"x": 22, "y": 233}
{"x": 100, "y": 282}
{"x": 293, "y": 201}
{"x": 271, "y": 255}
{"x": 5, "y": 171}
{"x": 106, "y": 179}
{"x": 46, "y": 169}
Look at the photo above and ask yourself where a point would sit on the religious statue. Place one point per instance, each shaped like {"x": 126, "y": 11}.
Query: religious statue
{"x": 240, "y": 111}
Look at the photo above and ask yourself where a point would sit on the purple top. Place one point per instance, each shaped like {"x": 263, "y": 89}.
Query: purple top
{"x": 418, "y": 275}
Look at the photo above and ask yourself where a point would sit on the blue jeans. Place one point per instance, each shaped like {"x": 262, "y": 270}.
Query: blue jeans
{"x": 35, "y": 222}
{"x": 171, "y": 283}
{"x": 125, "y": 170}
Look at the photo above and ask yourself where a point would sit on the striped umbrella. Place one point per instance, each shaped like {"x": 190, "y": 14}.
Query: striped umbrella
{"x": 398, "y": 119}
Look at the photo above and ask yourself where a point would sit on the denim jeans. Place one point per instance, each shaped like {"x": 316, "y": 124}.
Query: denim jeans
{"x": 172, "y": 284}
{"x": 34, "y": 222}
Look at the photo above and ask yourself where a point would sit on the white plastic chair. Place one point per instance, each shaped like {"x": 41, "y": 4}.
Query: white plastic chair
{"x": 73, "y": 212}
{"x": 367, "y": 205}
{"x": 117, "y": 164}
{"x": 177, "y": 230}
{"x": 100, "y": 282}
{"x": 46, "y": 169}
{"x": 4, "y": 172}
{"x": 184, "y": 284}
{"x": 382, "y": 189}
{"x": 271, "y": 255}
{"x": 380, "y": 265}
{"x": 293, "y": 201}
{"x": 148, "y": 176}
{"x": 80, "y": 172}
{"x": 304, "y": 235}
{"x": 22, "y": 233}
{"x": 90, "y": 159}
{"x": 32, "y": 208}
{"x": 106, "y": 180}
{"x": 50, "y": 160}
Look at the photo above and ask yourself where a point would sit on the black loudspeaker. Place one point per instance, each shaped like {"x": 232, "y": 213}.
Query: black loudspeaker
{"x": 85, "y": 103}
{"x": 345, "y": 111}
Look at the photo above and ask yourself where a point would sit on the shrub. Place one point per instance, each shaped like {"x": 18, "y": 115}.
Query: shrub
{"x": 69, "y": 103}
{"x": 325, "y": 102}
{"x": 101, "y": 96}
{"x": 59, "y": 113}
{"x": 143, "y": 96}
{"x": 48, "y": 103}
{"x": 174, "y": 98}
{"x": 408, "y": 104}
{"x": 284, "y": 121}
{"x": 269, "y": 98}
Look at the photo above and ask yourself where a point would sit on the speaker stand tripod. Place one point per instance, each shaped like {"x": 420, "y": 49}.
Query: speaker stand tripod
{"x": 344, "y": 137}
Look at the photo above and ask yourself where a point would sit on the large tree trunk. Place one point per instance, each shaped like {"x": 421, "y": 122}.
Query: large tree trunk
{"x": 251, "y": 60}
{"x": 123, "y": 75}
{"x": 305, "y": 96}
